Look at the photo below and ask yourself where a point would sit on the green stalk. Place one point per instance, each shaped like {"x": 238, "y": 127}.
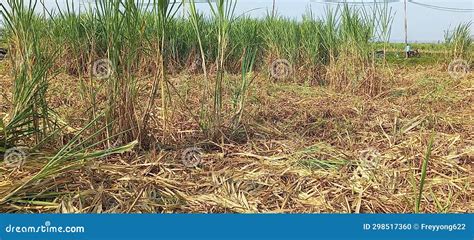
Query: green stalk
{"x": 423, "y": 174}
{"x": 195, "y": 19}
{"x": 163, "y": 12}
{"x": 459, "y": 42}
{"x": 249, "y": 55}
{"x": 223, "y": 13}
{"x": 27, "y": 35}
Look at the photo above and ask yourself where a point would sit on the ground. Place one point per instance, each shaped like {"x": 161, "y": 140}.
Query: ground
{"x": 303, "y": 148}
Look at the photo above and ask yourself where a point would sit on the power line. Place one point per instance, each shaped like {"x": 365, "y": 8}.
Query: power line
{"x": 355, "y": 3}
{"x": 441, "y": 8}
{"x": 368, "y": 2}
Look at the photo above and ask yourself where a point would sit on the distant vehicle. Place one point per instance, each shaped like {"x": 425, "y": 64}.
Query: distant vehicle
{"x": 380, "y": 54}
{"x": 412, "y": 54}
{"x": 3, "y": 53}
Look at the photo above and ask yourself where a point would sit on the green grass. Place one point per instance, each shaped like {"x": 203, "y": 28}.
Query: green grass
{"x": 31, "y": 69}
{"x": 335, "y": 50}
{"x": 459, "y": 42}
{"x": 426, "y": 59}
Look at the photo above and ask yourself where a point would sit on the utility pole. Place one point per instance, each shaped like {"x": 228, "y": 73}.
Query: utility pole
{"x": 406, "y": 30}
{"x": 273, "y": 9}
{"x": 184, "y": 8}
